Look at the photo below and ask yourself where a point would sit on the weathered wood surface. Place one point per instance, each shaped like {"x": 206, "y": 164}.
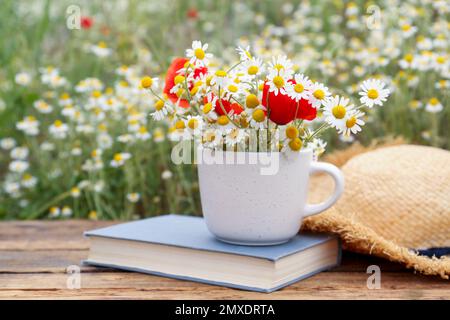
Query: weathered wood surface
{"x": 34, "y": 257}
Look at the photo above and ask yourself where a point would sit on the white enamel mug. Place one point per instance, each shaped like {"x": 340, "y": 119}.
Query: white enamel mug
{"x": 243, "y": 204}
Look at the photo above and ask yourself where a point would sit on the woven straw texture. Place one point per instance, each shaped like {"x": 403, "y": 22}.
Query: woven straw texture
{"x": 396, "y": 198}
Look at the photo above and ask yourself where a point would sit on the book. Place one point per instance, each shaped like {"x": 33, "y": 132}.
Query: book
{"x": 181, "y": 247}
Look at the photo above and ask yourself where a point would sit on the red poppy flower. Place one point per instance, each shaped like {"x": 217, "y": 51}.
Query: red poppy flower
{"x": 86, "y": 22}
{"x": 177, "y": 64}
{"x": 192, "y": 13}
{"x": 282, "y": 107}
{"x": 228, "y": 106}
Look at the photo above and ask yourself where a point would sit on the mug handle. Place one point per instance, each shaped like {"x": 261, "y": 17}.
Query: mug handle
{"x": 336, "y": 174}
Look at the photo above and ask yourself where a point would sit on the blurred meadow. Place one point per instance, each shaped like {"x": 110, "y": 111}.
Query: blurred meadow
{"x": 70, "y": 101}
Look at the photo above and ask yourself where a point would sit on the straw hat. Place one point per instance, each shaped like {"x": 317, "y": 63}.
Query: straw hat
{"x": 396, "y": 199}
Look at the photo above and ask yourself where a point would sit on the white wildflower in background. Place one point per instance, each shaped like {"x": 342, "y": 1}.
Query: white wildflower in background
{"x": 42, "y": 106}
{"x": 7, "y": 143}
{"x": 58, "y": 129}
{"x": 119, "y": 159}
{"x": 29, "y": 125}
{"x": 19, "y": 153}
{"x": 434, "y": 106}
{"x": 23, "y": 79}
{"x": 66, "y": 212}
{"x": 133, "y": 197}
{"x": 198, "y": 55}
{"x": 54, "y": 212}
{"x": 100, "y": 49}
{"x": 28, "y": 181}
{"x": 166, "y": 175}
{"x": 18, "y": 166}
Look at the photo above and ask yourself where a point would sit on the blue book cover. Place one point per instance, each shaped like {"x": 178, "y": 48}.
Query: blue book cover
{"x": 191, "y": 232}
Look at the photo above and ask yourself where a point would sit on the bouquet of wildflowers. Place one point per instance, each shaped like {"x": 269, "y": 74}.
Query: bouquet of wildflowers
{"x": 222, "y": 108}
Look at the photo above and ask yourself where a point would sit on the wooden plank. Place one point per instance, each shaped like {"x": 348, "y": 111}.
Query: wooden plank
{"x": 326, "y": 285}
{"x": 47, "y": 235}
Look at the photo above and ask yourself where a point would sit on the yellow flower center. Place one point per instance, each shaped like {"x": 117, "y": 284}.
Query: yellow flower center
{"x": 252, "y": 70}
{"x": 221, "y": 73}
{"x": 278, "y": 81}
{"x": 96, "y": 94}
{"x": 440, "y": 59}
{"x": 292, "y": 132}
{"x": 251, "y": 101}
{"x": 209, "y": 136}
{"x": 179, "y": 92}
{"x": 406, "y": 27}
{"x": 159, "y": 105}
{"x": 232, "y": 88}
{"x": 434, "y": 101}
{"x": 223, "y": 120}
{"x": 102, "y": 44}
{"x": 193, "y": 123}
{"x": 372, "y": 94}
{"x": 58, "y": 123}
{"x": 319, "y": 94}
{"x": 179, "y": 79}
{"x": 279, "y": 66}
{"x": 146, "y": 82}
{"x": 194, "y": 91}
{"x": 350, "y": 122}
{"x": 207, "y": 107}
{"x": 295, "y": 144}
{"x": 258, "y": 115}
{"x": 199, "y": 53}
{"x": 118, "y": 157}
{"x": 409, "y": 57}
{"x": 208, "y": 80}
{"x": 179, "y": 125}
{"x": 339, "y": 112}
{"x": 299, "y": 88}
{"x": 142, "y": 130}
{"x": 65, "y": 96}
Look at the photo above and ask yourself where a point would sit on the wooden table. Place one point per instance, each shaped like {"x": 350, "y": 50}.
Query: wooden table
{"x": 34, "y": 257}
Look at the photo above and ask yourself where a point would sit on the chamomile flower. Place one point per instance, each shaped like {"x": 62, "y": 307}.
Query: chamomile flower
{"x": 353, "y": 123}
{"x": 75, "y": 192}
{"x": 213, "y": 139}
{"x": 18, "y": 166}
{"x": 252, "y": 67}
{"x": 258, "y": 119}
{"x": 407, "y": 30}
{"x": 194, "y": 125}
{"x": 28, "y": 181}
{"x": 42, "y": 106}
{"x": 280, "y": 63}
{"x": 133, "y": 197}
{"x": 319, "y": 94}
{"x": 7, "y": 143}
{"x": 219, "y": 79}
{"x": 23, "y": 79}
{"x": 66, "y": 211}
{"x": 235, "y": 136}
{"x": 197, "y": 54}
{"x": 19, "y": 153}
{"x": 54, "y": 212}
{"x": 29, "y": 125}
{"x": 278, "y": 81}
{"x": 373, "y": 93}
{"x": 318, "y": 147}
{"x": 415, "y": 104}
{"x": 301, "y": 89}
{"x": 166, "y": 175}
{"x": 336, "y": 111}
{"x": 143, "y": 134}
{"x": 434, "y": 105}
{"x": 244, "y": 53}
{"x": 162, "y": 109}
{"x": 58, "y": 129}
{"x": 100, "y": 49}
{"x": 148, "y": 82}
{"x": 119, "y": 159}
